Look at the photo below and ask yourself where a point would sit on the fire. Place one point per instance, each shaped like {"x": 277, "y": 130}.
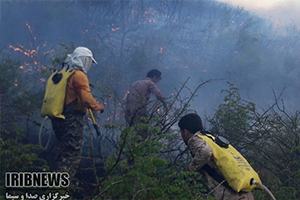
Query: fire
{"x": 31, "y": 52}
{"x": 117, "y": 116}
{"x": 161, "y": 49}
{"x": 16, "y": 83}
{"x": 108, "y": 118}
{"x": 126, "y": 94}
{"x": 30, "y": 30}
{"x": 50, "y": 51}
{"x": 115, "y": 29}
{"x": 26, "y": 52}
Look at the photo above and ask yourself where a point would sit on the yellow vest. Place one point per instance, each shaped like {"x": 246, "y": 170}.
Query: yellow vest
{"x": 233, "y": 166}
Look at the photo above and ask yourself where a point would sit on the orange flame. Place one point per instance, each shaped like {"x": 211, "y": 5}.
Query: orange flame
{"x": 26, "y": 52}
{"x": 115, "y": 29}
{"x": 161, "y": 49}
{"x": 108, "y": 118}
{"x": 126, "y": 94}
{"x": 31, "y": 64}
{"x": 30, "y": 30}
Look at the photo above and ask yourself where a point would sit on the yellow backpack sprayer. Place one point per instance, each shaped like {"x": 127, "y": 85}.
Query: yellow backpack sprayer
{"x": 235, "y": 169}
{"x": 53, "y": 103}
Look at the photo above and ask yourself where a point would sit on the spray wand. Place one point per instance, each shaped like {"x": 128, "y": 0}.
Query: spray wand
{"x": 94, "y": 122}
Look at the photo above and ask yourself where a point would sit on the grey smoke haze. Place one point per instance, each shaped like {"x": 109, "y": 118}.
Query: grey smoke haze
{"x": 285, "y": 13}
{"x": 280, "y": 13}
{"x": 198, "y": 39}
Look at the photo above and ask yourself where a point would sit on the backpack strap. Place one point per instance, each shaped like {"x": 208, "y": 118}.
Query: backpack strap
{"x": 70, "y": 106}
{"x": 211, "y": 171}
{"x": 215, "y": 175}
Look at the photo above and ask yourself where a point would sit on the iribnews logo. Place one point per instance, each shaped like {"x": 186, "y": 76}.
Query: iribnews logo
{"x": 36, "y": 179}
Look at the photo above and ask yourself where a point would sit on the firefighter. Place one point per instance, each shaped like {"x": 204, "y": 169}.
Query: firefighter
{"x": 139, "y": 94}
{"x": 190, "y": 125}
{"x": 69, "y": 131}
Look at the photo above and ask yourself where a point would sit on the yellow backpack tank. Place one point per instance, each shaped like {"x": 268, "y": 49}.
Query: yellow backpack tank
{"x": 234, "y": 167}
{"x": 53, "y": 103}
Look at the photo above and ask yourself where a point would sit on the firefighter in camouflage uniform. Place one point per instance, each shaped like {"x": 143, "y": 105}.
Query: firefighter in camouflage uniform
{"x": 190, "y": 125}
{"x": 69, "y": 131}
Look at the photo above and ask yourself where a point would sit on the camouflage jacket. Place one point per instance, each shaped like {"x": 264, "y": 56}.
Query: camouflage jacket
{"x": 139, "y": 94}
{"x": 202, "y": 154}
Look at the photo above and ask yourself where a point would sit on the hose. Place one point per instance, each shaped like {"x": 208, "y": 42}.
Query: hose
{"x": 40, "y": 134}
{"x": 253, "y": 181}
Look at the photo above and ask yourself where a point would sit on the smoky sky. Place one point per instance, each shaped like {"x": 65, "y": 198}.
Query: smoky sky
{"x": 284, "y": 13}
{"x": 200, "y": 40}
{"x": 280, "y": 13}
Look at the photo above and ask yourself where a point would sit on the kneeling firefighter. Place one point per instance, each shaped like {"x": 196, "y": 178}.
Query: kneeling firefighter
{"x": 228, "y": 174}
{"x": 67, "y": 99}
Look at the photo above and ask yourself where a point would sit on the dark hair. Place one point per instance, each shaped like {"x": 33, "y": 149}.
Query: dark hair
{"x": 191, "y": 122}
{"x": 154, "y": 72}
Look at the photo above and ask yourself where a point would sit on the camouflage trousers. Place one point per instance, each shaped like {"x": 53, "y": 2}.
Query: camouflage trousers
{"x": 133, "y": 118}
{"x": 69, "y": 134}
{"x": 221, "y": 192}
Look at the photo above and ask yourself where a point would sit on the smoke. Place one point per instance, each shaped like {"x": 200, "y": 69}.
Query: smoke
{"x": 285, "y": 13}
{"x": 198, "y": 39}
{"x": 280, "y": 13}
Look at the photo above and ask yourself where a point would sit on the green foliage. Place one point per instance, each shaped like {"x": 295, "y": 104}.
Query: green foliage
{"x": 18, "y": 106}
{"x": 234, "y": 116}
{"x": 279, "y": 156}
{"x": 19, "y": 97}
{"x": 269, "y": 141}
{"x": 143, "y": 173}
{"x": 18, "y": 157}
{"x": 21, "y": 158}
{"x": 61, "y": 54}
